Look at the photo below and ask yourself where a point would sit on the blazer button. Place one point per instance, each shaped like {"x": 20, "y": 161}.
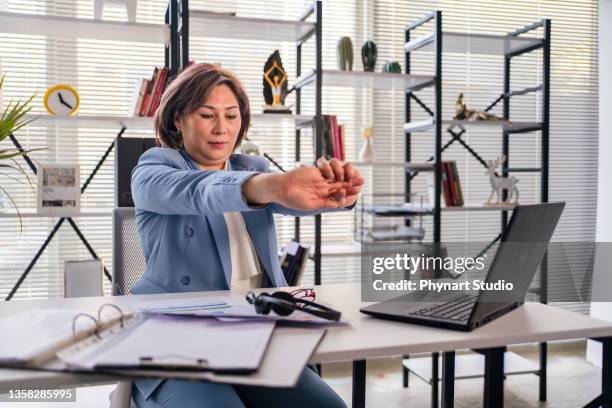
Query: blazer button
{"x": 185, "y": 280}
{"x": 188, "y": 231}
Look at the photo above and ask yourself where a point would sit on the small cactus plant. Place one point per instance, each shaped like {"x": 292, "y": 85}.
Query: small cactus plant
{"x": 345, "y": 54}
{"x": 368, "y": 55}
{"x": 393, "y": 67}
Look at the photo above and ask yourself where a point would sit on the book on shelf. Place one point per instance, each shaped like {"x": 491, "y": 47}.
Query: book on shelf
{"x": 139, "y": 93}
{"x": 332, "y": 135}
{"x": 147, "y": 97}
{"x": 451, "y": 185}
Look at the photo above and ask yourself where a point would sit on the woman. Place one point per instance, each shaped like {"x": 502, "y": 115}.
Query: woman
{"x": 205, "y": 220}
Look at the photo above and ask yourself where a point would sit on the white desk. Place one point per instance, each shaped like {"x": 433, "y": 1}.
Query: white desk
{"x": 367, "y": 337}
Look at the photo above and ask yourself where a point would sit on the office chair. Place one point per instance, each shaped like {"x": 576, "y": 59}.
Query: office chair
{"x": 128, "y": 266}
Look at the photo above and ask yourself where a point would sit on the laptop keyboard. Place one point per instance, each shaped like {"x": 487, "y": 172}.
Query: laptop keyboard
{"x": 458, "y": 309}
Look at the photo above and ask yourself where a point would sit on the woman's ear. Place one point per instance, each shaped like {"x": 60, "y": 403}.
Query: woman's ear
{"x": 178, "y": 122}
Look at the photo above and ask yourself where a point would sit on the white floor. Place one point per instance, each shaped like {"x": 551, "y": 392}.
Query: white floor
{"x": 572, "y": 383}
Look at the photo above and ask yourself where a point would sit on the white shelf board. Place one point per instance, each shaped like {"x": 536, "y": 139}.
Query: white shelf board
{"x": 31, "y": 213}
{"x": 360, "y": 79}
{"x": 475, "y": 43}
{"x": 210, "y": 24}
{"x": 480, "y": 207}
{"x": 279, "y": 117}
{"x": 470, "y": 366}
{"x": 72, "y": 27}
{"x": 138, "y": 123}
{"x": 511, "y": 126}
{"x": 406, "y": 165}
{"x": 92, "y": 121}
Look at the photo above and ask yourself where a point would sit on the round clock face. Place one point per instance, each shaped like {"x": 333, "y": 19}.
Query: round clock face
{"x": 61, "y": 100}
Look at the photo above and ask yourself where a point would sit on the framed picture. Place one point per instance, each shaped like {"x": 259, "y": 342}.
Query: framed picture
{"x": 59, "y": 189}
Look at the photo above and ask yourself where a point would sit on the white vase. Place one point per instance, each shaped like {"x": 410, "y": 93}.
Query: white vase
{"x": 366, "y": 154}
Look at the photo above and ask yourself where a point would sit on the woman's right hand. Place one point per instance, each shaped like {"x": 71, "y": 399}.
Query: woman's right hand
{"x": 303, "y": 188}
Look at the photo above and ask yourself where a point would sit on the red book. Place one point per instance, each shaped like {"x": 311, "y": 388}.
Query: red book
{"x": 154, "y": 81}
{"x": 341, "y": 136}
{"x": 145, "y": 98}
{"x": 445, "y": 189}
{"x": 334, "y": 135}
{"x": 451, "y": 183}
{"x": 160, "y": 86}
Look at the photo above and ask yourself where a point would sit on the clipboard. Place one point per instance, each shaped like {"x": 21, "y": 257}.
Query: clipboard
{"x": 133, "y": 341}
{"x": 161, "y": 342}
{"x": 288, "y": 351}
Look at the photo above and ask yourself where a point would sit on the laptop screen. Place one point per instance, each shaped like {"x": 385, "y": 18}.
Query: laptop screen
{"x": 520, "y": 253}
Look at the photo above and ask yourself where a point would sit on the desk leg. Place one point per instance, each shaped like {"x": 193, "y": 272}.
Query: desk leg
{"x": 543, "y": 370}
{"x": 606, "y": 370}
{"x": 435, "y": 378}
{"x": 359, "y": 383}
{"x": 494, "y": 377}
{"x": 448, "y": 379}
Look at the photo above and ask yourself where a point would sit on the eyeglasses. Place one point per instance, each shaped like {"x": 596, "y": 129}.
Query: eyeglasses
{"x": 285, "y": 303}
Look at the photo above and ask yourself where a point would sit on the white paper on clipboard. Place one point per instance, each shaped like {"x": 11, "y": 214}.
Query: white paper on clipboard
{"x": 164, "y": 342}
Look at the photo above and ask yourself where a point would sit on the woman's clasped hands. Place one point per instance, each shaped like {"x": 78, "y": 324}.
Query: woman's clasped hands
{"x": 331, "y": 184}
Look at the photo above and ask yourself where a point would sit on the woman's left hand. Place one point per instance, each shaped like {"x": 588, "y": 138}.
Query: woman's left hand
{"x": 335, "y": 170}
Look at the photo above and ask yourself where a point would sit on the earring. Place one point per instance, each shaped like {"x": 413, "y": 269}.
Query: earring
{"x": 179, "y": 136}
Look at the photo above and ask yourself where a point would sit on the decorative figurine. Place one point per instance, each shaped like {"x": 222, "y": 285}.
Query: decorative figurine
{"x": 392, "y": 67}
{"x": 463, "y": 113}
{"x": 130, "y": 8}
{"x": 275, "y": 85}
{"x": 251, "y": 148}
{"x": 366, "y": 154}
{"x": 345, "y": 54}
{"x": 368, "y": 55}
{"x": 501, "y": 183}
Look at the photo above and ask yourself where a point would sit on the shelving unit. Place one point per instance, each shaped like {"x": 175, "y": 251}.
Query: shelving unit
{"x": 508, "y": 46}
{"x": 81, "y": 28}
{"x": 185, "y": 23}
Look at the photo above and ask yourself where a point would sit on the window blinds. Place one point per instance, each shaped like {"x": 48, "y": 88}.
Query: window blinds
{"x": 105, "y": 73}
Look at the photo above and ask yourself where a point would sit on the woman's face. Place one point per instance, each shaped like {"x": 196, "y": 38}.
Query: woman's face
{"x": 210, "y": 132}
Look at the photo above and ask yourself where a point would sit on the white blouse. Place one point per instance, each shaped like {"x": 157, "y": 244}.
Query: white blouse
{"x": 246, "y": 270}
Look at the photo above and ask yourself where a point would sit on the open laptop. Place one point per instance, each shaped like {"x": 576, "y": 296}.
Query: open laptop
{"x": 523, "y": 246}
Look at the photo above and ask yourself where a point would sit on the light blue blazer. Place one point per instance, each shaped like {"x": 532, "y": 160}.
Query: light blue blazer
{"x": 179, "y": 212}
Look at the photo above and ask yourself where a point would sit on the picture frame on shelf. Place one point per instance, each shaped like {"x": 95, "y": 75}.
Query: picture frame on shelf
{"x": 58, "y": 189}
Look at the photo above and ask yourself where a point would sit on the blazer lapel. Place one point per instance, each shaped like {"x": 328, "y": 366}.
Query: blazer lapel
{"x": 258, "y": 221}
{"x": 221, "y": 236}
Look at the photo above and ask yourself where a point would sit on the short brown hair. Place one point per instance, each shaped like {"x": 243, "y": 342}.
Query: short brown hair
{"x": 185, "y": 95}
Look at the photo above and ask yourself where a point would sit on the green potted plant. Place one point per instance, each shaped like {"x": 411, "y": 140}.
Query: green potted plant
{"x": 13, "y": 119}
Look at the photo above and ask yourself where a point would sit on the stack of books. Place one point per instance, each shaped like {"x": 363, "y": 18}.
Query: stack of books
{"x": 293, "y": 260}
{"x": 148, "y": 94}
{"x": 332, "y": 138}
{"x": 451, "y": 186}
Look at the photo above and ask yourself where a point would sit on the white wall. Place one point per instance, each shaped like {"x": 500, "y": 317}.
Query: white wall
{"x": 602, "y": 278}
